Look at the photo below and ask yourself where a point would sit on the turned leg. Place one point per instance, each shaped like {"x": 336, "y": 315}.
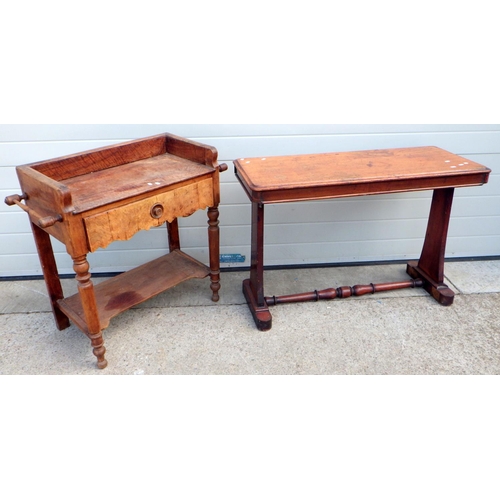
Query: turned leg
{"x": 49, "y": 268}
{"x": 214, "y": 251}
{"x": 253, "y": 288}
{"x": 430, "y": 267}
{"x": 87, "y": 296}
{"x": 174, "y": 241}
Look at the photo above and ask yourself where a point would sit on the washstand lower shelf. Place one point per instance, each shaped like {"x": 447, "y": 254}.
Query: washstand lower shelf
{"x": 133, "y": 287}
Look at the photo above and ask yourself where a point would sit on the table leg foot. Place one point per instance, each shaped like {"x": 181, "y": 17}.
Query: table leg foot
{"x": 261, "y": 314}
{"x": 441, "y": 292}
{"x": 215, "y": 287}
{"x": 99, "y": 350}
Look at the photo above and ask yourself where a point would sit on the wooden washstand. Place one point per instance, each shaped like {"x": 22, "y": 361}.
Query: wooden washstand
{"x": 90, "y": 199}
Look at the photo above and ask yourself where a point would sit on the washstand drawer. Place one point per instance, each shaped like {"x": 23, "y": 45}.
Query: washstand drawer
{"x": 123, "y": 222}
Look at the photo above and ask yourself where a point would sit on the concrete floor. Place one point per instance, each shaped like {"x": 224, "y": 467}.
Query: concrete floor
{"x": 182, "y": 332}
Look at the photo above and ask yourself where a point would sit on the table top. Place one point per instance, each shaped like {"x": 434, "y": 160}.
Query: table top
{"x": 329, "y": 175}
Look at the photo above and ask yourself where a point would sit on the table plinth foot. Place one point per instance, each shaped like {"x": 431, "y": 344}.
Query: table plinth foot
{"x": 261, "y": 314}
{"x": 441, "y": 292}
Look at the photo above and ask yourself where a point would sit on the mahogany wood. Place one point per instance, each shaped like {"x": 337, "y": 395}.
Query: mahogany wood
{"x": 311, "y": 177}
{"x": 342, "y": 292}
{"x": 283, "y": 179}
{"x": 260, "y": 312}
{"x": 257, "y": 255}
{"x": 439, "y": 290}
{"x": 90, "y": 199}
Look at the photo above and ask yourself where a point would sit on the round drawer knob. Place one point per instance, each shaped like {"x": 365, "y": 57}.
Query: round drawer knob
{"x": 156, "y": 211}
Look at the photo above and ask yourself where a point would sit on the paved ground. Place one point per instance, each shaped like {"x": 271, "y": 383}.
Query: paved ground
{"x": 182, "y": 332}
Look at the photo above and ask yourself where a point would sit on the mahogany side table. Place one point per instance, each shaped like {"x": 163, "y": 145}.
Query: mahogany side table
{"x": 284, "y": 179}
{"x": 90, "y": 199}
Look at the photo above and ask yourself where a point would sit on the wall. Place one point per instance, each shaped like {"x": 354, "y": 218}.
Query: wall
{"x": 378, "y": 228}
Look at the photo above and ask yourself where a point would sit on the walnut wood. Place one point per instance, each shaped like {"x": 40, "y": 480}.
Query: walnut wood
{"x": 342, "y": 292}
{"x": 95, "y": 160}
{"x": 174, "y": 242}
{"x": 50, "y": 274}
{"x": 14, "y": 200}
{"x": 133, "y": 287}
{"x": 89, "y": 307}
{"x": 43, "y": 222}
{"x": 71, "y": 166}
{"x": 192, "y": 150}
{"x": 49, "y": 221}
{"x": 46, "y": 197}
{"x": 331, "y": 175}
{"x": 131, "y": 180}
{"x": 213, "y": 241}
{"x": 123, "y": 222}
{"x": 87, "y": 200}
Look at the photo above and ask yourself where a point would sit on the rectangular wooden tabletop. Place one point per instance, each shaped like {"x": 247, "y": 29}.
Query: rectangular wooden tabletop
{"x": 329, "y": 175}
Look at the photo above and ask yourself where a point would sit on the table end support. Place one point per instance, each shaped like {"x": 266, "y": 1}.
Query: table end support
{"x": 441, "y": 292}
{"x": 261, "y": 314}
